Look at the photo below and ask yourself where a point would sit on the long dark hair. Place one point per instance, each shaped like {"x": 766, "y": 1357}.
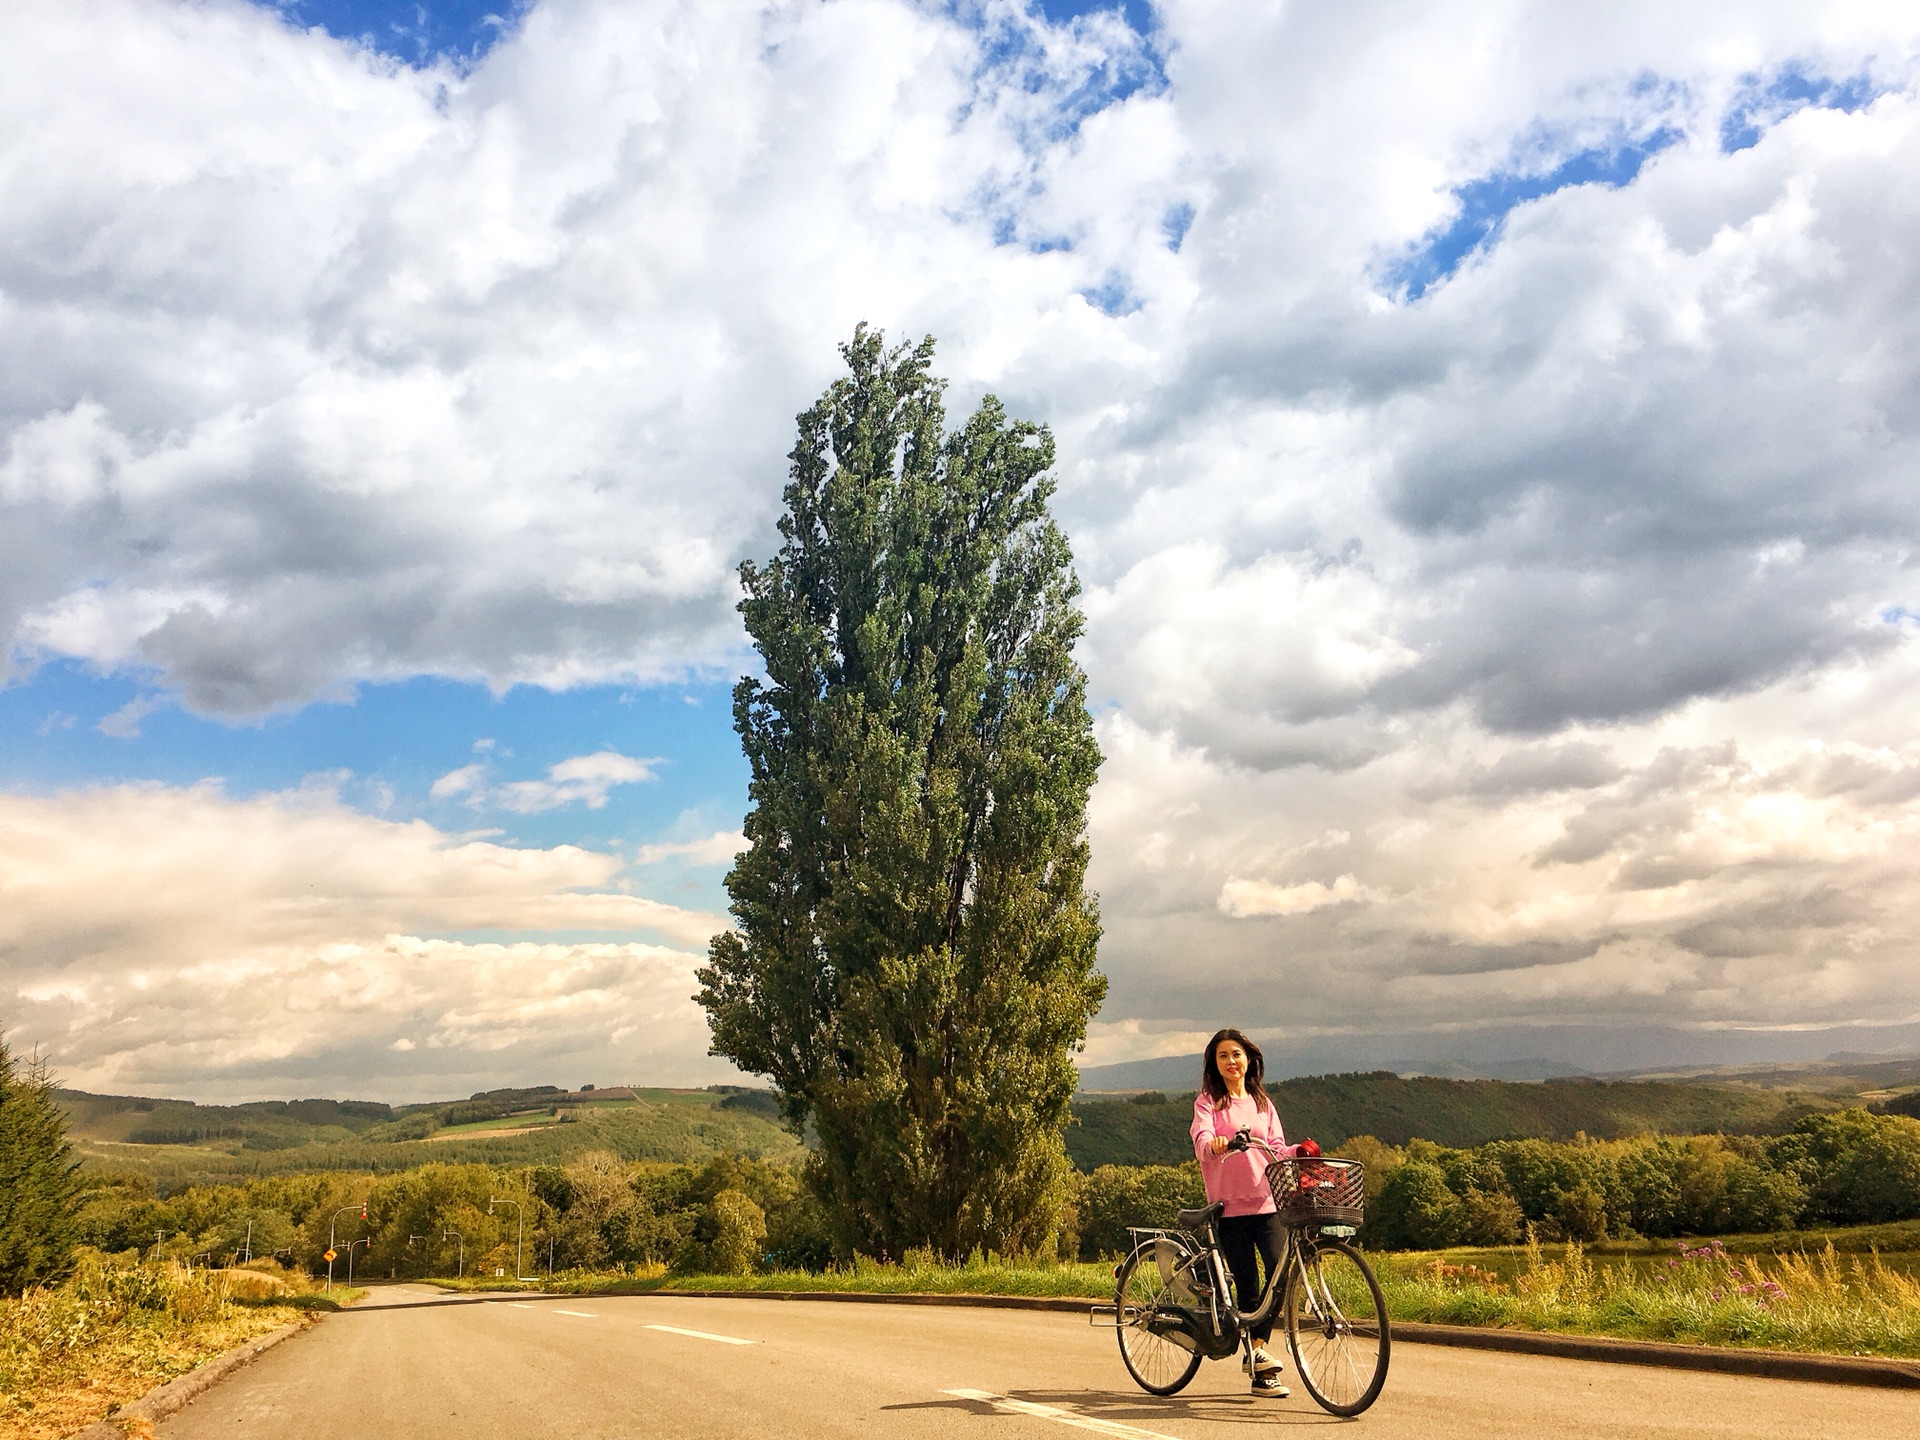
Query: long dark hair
{"x": 1215, "y": 1084}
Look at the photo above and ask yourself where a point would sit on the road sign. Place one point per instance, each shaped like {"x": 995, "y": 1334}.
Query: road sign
{"x": 328, "y": 1257}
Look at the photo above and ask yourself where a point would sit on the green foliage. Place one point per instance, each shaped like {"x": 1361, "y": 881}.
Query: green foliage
{"x": 1114, "y": 1197}
{"x": 1847, "y": 1168}
{"x": 1417, "y": 1210}
{"x": 914, "y": 960}
{"x": 1396, "y": 1109}
{"x": 733, "y": 1230}
{"x": 597, "y": 1212}
{"x": 1857, "y": 1168}
{"x": 38, "y": 1188}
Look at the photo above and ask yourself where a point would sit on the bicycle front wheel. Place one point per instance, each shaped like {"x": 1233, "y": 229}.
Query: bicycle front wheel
{"x": 1337, "y": 1326}
{"x": 1157, "y": 1364}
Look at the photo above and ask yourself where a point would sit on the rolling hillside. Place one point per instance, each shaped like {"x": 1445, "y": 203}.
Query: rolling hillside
{"x": 178, "y": 1143}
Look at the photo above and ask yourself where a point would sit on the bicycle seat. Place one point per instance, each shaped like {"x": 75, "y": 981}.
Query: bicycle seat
{"x": 1199, "y": 1219}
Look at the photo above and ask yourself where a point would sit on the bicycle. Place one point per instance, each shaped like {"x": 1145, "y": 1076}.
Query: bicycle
{"x": 1174, "y": 1303}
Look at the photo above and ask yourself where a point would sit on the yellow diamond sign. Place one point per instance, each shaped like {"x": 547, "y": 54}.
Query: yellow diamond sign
{"x": 328, "y": 1257}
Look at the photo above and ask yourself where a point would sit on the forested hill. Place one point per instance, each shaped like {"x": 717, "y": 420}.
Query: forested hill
{"x": 176, "y": 1143}
{"x": 1151, "y": 1129}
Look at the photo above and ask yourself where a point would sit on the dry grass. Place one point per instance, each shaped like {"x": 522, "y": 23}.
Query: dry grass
{"x": 1705, "y": 1294}
{"x": 71, "y": 1354}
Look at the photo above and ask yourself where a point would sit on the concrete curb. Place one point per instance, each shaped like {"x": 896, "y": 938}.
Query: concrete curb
{"x": 1760, "y": 1364}
{"x": 182, "y": 1390}
{"x": 1765, "y": 1364}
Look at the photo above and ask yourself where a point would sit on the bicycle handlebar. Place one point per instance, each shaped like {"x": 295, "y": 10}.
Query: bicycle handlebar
{"x": 1246, "y": 1140}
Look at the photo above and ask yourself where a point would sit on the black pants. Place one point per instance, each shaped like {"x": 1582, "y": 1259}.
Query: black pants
{"x": 1242, "y": 1239}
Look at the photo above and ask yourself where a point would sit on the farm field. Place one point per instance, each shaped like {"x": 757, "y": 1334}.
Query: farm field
{"x": 174, "y": 1144}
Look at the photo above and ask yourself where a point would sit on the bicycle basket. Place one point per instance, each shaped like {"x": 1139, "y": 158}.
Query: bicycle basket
{"x": 1318, "y": 1191}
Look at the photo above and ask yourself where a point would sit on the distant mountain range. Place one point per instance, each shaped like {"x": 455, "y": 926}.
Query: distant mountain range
{"x": 1182, "y": 1072}
{"x": 1150, "y": 1127}
{"x": 1850, "y": 1072}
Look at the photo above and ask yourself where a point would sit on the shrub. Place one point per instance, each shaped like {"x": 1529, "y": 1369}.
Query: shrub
{"x": 1115, "y": 1197}
{"x": 1490, "y": 1217}
{"x": 1417, "y": 1211}
{"x": 737, "y": 1227}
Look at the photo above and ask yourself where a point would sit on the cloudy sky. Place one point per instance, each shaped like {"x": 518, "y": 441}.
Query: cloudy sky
{"x": 1488, "y": 438}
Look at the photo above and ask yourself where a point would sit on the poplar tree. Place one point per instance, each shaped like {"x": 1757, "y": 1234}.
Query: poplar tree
{"x": 914, "y": 959}
{"x": 38, "y": 1187}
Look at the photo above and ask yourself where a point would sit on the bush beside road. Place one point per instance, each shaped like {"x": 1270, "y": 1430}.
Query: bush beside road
{"x": 73, "y": 1352}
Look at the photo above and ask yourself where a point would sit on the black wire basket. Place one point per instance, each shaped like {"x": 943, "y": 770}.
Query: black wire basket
{"x": 1318, "y": 1191}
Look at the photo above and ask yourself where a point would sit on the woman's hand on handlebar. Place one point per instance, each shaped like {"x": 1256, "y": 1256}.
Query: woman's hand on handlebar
{"x": 1218, "y": 1144}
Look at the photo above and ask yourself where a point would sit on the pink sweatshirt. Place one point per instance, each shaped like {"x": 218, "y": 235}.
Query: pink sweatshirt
{"x": 1240, "y": 1180}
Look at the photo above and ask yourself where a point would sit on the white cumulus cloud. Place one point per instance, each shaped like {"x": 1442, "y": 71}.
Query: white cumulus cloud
{"x": 1487, "y": 442}
{"x": 178, "y": 939}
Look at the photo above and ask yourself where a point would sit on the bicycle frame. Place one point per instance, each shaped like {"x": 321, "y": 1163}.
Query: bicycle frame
{"x": 1267, "y": 1308}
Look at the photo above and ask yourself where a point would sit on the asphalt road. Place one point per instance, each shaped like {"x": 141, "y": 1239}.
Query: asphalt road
{"x": 657, "y": 1366}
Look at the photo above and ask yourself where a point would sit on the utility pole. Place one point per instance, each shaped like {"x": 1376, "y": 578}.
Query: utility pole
{"x": 249, "y": 1246}
{"x": 519, "y": 1234}
{"x": 362, "y": 1208}
{"x": 456, "y": 1235}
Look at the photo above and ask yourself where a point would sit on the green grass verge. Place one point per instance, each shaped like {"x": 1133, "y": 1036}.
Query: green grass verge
{"x": 1824, "y": 1301}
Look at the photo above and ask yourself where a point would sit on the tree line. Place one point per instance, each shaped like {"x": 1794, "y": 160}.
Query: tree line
{"x": 1849, "y": 1167}
{"x": 735, "y": 1216}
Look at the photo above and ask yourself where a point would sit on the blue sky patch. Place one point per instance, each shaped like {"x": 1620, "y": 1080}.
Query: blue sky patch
{"x": 1112, "y": 296}
{"x": 387, "y": 748}
{"x": 1485, "y": 204}
{"x": 1137, "y": 13}
{"x": 416, "y": 31}
{"x": 1765, "y": 101}
{"x": 1175, "y": 224}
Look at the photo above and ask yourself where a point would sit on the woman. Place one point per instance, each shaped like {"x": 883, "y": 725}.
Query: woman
{"x": 1232, "y": 1098}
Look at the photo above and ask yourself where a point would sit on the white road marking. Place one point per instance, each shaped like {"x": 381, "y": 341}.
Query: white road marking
{"x": 1052, "y": 1412}
{"x": 581, "y": 1313}
{"x": 702, "y": 1335}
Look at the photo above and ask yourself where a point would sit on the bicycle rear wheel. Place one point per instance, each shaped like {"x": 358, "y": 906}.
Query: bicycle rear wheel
{"x": 1337, "y": 1326}
{"x": 1158, "y": 1365}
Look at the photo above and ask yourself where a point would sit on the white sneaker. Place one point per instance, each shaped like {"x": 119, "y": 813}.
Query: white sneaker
{"x": 1260, "y": 1362}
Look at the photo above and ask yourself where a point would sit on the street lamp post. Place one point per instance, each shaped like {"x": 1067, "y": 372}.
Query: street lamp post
{"x": 363, "y": 1240}
{"x": 362, "y": 1208}
{"x": 456, "y": 1235}
{"x": 519, "y": 1234}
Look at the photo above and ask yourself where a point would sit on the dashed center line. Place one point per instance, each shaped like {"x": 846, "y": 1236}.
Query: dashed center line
{"x": 579, "y": 1313}
{"x": 703, "y": 1335}
{"x": 1054, "y": 1412}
